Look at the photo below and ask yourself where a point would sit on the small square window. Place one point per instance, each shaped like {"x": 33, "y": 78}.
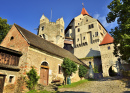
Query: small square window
{"x": 77, "y": 39}
{"x": 92, "y": 26}
{"x": 83, "y": 38}
{"x": 96, "y": 34}
{"x": 11, "y": 78}
{"x": 62, "y": 30}
{"x": 109, "y": 48}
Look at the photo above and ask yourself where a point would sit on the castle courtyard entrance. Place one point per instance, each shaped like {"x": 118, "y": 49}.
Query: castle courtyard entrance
{"x": 44, "y": 73}
{"x": 2, "y": 80}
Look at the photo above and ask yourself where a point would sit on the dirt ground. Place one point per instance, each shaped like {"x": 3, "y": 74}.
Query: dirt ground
{"x": 105, "y": 85}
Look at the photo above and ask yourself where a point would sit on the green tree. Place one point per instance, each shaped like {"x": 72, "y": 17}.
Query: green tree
{"x": 33, "y": 79}
{"x": 68, "y": 67}
{"x": 120, "y": 11}
{"x": 4, "y": 28}
{"x": 82, "y": 71}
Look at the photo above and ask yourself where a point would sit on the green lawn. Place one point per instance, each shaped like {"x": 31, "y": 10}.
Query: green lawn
{"x": 63, "y": 86}
{"x": 75, "y": 83}
{"x": 35, "y": 91}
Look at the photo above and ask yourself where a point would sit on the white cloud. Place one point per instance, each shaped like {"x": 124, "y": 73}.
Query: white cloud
{"x": 102, "y": 19}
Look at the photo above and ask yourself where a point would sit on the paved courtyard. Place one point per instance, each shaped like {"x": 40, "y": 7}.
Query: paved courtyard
{"x": 105, "y": 85}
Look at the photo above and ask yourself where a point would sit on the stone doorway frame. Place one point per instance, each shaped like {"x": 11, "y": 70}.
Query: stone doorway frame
{"x": 45, "y": 65}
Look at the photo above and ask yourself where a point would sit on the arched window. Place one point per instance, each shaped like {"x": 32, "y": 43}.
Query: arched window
{"x": 44, "y": 64}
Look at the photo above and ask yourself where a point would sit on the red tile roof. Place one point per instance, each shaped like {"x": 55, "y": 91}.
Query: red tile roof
{"x": 84, "y": 12}
{"x": 107, "y": 39}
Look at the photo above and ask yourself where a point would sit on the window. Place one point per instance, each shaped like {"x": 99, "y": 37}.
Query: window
{"x": 109, "y": 48}
{"x": 103, "y": 31}
{"x": 11, "y": 78}
{"x": 62, "y": 30}
{"x": 86, "y": 20}
{"x": 60, "y": 69}
{"x": 77, "y": 39}
{"x": 78, "y": 29}
{"x": 40, "y": 35}
{"x": 42, "y": 27}
{"x": 84, "y": 38}
{"x": 44, "y": 36}
{"x": 90, "y": 26}
{"x": 80, "y": 18}
{"x": 99, "y": 27}
{"x": 96, "y": 34}
{"x": 78, "y": 23}
{"x": 11, "y": 38}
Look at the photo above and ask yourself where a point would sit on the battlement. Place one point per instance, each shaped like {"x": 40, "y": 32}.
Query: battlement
{"x": 44, "y": 19}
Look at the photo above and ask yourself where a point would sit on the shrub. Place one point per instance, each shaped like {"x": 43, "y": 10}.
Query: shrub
{"x": 68, "y": 67}
{"x": 33, "y": 79}
{"x": 82, "y": 71}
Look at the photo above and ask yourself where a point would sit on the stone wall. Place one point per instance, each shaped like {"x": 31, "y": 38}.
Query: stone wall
{"x": 95, "y": 61}
{"x": 36, "y": 57}
{"x": 52, "y": 31}
{"x": 108, "y": 59}
{"x": 20, "y": 44}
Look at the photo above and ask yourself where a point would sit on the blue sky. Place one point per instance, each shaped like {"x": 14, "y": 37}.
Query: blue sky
{"x": 27, "y": 13}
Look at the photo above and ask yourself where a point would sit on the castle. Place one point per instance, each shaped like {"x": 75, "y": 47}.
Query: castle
{"x": 52, "y": 31}
{"x": 85, "y": 38}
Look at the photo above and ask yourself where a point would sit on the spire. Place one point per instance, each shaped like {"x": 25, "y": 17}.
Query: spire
{"x": 84, "y": 12}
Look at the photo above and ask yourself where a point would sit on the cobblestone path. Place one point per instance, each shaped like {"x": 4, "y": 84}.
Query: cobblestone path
{"x": 105, "y": 85}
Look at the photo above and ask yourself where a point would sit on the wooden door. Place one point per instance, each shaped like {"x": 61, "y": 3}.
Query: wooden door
{"x": 2, "y": 80}
{"x": 44, "y": 76}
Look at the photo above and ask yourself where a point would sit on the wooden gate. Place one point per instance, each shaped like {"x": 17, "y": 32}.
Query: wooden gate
{"x": 2, "y": 80}
{"x": 44, "y": 76}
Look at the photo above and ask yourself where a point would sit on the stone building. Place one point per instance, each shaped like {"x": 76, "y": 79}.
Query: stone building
{"x": 109, "y": 61}
{"x": 52, "y": 31}
{"x": 45, "y": 56}
{"x": 87, "y": 33}
{"x": 9, "y": 69}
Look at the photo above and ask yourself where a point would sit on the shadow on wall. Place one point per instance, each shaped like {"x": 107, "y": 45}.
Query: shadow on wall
{"x": 93, "y": 53}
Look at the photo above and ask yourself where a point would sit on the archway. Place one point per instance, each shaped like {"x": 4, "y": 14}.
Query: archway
{"x": 44, "y": 73}
{"x": 112, "y": 71}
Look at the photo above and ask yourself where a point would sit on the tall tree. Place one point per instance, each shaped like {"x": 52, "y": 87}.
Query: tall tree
{"x": 120, "y": 11}
{"x": 68, "y": 67}
{"x": 4, "y": 28}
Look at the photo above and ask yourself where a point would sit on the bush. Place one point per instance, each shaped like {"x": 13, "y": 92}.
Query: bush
{"x": 33, "y": 79}
{"x": 82, "y": 71}
{"x": 68, "y": 67}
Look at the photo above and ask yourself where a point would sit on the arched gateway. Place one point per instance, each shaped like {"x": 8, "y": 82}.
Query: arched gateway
{"x": 44, "y": 73}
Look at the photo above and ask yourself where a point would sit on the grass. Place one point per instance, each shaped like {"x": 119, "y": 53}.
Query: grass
{"x": 75, "y": 83}
{"x": 35, "y": 91}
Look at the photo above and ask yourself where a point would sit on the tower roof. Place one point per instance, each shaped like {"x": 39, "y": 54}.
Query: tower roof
{"x": 107, "y": 39}
{"x": 84, "y": 12}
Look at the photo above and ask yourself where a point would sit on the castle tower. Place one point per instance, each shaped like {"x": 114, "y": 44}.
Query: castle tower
{"x": 52, "y": 31}
{"x": 87, "y": 33}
